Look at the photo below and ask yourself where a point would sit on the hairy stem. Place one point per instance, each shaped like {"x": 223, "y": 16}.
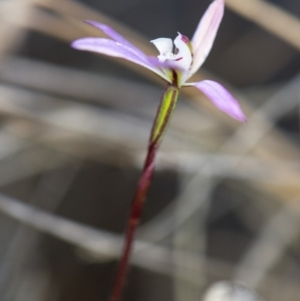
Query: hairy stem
{"x": 162, "y": 119}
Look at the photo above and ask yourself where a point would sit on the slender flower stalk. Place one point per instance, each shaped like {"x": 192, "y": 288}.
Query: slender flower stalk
{"x": 164, "y": 113}
{"x": 176, "y": 63}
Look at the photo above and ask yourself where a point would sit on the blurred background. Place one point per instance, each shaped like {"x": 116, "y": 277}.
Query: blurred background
{"x": 224, "y": 204}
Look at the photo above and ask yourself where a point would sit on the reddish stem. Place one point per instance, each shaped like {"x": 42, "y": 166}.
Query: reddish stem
{"x": 134, "y": 219}
{"x": 161, "y": 121}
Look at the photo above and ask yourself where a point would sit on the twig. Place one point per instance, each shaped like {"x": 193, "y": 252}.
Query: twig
{"x": 189, "y": 234}
{"x": 278, "y": 233}
{"x": 101, "y": 244}
{"x": 270, "y": 17}
{"x": 47, "y": 194}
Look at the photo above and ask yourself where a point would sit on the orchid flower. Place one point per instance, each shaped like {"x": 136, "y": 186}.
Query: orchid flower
{"x": 177, "y": 61}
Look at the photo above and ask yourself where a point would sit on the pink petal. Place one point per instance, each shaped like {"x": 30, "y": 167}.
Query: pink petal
{"x": 116, "y": 36}
{"x": 221, "y": 98}
{"x": 115, "y": 49}
{"x": 205, "y": 33}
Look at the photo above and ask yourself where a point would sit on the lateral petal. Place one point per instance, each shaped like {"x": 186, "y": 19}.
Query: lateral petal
{"x": 205, "y": 33}
{"x": 163, "y": 45}
{"x": 221, "y": 98}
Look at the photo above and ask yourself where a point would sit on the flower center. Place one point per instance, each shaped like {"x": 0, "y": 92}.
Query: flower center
{"x": 181, "y": 57}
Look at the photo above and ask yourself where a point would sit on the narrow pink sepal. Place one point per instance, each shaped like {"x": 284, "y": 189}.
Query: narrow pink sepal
{"x": 115, "y": 49}
{"x": 221, "y": 98}
{"x": 205, "y": 34}
{"x": 116, "y": 36}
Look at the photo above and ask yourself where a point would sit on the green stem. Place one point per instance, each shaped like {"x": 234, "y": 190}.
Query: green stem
{"x": 162, "y": 119}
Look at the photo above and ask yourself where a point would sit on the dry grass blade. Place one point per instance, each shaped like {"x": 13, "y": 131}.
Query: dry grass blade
{"x": 267, "y": 16}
